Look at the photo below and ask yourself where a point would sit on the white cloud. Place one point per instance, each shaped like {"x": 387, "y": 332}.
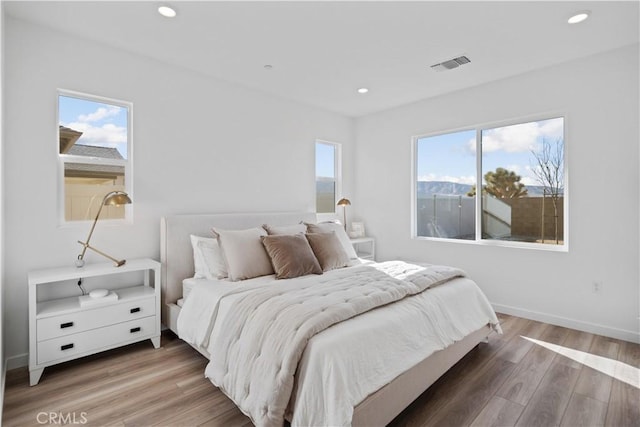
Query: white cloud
{"x": 514, "y": 168}
{"x": 512, "y": 139}
{"x": 471, "y": 145}
{"x": 428, "y": 177}
{"x": 107, "y": 135}
{"x": 446, "y": 178}
{"x": 518, "y": 138}
{"x": 553, "y": 128}
{"x": 100, "y": 114}
{"x": 528, "y": 177}
{"x": 531, "y": 182}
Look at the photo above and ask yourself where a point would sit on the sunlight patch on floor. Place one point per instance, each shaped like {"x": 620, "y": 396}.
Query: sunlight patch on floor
{"x": 614, "y": 368}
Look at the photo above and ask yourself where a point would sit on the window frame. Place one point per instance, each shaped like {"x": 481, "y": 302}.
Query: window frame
{"x": 337, "y": 170}
{"x": 478, "y": 202}
{"x": 63, "y": 159}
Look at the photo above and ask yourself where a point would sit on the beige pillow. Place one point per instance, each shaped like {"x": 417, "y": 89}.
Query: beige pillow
{"x": 243, "y": 253}
{"x": 285, "y": 229}
{"x": 291, "y": 255}
{"x": 328, "y": 249}
{"x": 328, "y": 227}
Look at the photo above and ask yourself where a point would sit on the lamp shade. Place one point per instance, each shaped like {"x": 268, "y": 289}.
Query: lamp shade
{"x": 116, "y": 198}
{"x": 344, "y": 203}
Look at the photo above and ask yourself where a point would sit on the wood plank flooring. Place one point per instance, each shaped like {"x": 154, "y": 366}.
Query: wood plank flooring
{"x": 509, "y": 381}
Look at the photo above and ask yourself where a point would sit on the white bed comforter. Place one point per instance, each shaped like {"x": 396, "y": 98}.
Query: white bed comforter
{"x": 346, "y": 362}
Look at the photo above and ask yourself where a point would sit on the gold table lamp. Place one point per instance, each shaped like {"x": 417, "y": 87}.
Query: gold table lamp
{"x": 114, "y": 198}
{"x": 344, "y": 203}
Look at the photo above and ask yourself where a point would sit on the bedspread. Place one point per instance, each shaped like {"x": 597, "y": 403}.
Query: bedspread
{"x": 256, "y": 355}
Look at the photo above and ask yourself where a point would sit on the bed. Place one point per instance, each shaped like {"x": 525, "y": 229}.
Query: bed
{"x": 340, "y": 379}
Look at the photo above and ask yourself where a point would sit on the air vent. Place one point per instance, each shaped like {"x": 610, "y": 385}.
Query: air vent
{"x": 451, "y": 64}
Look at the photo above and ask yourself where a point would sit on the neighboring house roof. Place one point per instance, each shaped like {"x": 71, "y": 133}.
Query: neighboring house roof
{"x": 84, "y": 170}
{"x": 87, "y": 170}
{"x": 68, "y": 145}
{"x": 94, "y": 151}
{"x": 68, "y": 138}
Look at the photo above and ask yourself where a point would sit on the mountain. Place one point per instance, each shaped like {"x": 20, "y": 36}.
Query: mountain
{"x": 429, "y": 188}
{"x": 325, "y": 185}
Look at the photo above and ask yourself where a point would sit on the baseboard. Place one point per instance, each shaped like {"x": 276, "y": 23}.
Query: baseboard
{"x": 18, "y": 361}
{"x": 579, "y": 325}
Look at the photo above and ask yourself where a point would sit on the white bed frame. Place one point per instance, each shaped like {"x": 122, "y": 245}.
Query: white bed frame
{"x": 378, "y": 408}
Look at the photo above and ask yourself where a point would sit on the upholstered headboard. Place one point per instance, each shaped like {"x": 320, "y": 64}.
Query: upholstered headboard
{"x": 176, "y": 253}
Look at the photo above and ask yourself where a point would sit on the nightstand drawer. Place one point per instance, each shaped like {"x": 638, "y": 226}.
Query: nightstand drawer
{"x": 72, "y": 323}
{"x": 90, "y": 341}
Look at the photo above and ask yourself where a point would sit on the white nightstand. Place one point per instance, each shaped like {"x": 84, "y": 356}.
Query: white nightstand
{"x": 62, "y": 329}
{"x": 365, "y": 247}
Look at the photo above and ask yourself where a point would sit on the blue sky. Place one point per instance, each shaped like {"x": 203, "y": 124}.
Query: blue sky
{"x": 452, "y": 157}
{"x": 102, "y": 125}
{"x": 325, "y": 160}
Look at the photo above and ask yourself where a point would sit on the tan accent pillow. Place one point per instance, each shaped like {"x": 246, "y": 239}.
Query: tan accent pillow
{"x": 328, "y": 250}
{"x": 285, "y": 229}
{"x": 291, "y": 255}
{"x": 243, "y": 253}
{"x": 328, "y": 227}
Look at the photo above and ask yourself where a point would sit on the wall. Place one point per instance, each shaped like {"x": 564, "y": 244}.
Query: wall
{"x": 526, "y": 216}
{"x": 599, "y": 96}
{"x": 199, "y": 145}
{"x": 3, "y": 365}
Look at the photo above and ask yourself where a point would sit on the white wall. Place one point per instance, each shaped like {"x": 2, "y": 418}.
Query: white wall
{"x": 200, "y": 145}
{"x": 599, "y": 95}
{"x": 2, "y": 122}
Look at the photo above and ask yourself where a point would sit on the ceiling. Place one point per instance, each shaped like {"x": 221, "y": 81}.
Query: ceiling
{"x": 322, "y": 52}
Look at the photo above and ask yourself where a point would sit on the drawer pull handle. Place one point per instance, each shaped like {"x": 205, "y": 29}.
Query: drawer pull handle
{"x": 132, "y": 330}
{"x": 66, "y": 347}
{"x": 135, "y": 310}
{"x": 66, "y": 325}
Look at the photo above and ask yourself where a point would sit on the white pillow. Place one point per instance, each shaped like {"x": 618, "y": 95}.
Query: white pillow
{"x": 208, "y": 259}
{"x": 328, "y": 227}
{"x": 244, "y": 253}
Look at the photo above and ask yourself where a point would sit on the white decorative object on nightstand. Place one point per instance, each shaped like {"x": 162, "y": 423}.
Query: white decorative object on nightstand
{"x": 365, "y": 247}
{"x": 63, "y": 329}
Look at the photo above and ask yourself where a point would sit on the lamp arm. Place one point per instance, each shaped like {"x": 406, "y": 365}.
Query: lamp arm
{"x": 93, "y": 226}
{"x": 119, "y": 263}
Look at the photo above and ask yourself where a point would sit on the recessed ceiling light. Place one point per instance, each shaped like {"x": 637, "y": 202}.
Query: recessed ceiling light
{"x": 363, "y": 90}
{"x": 579, "y": 17}
{"x": 166, "y": 11}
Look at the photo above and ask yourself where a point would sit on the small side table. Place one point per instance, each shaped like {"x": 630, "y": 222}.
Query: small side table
{"x": 365, "y": 247}
{"x": 64, "y": 329}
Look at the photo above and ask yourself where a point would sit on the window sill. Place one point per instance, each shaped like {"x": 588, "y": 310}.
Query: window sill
{"x": 500, "y": 243}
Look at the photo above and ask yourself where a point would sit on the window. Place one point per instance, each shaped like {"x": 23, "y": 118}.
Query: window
{"x": 94, "y": 147}
{"x": 521, "y": 168}
{"x": 328, "y": 176}
{"x": 446, "y": 172}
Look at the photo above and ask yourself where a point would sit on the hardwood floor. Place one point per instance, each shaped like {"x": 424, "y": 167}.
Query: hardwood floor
{"x": 509, "y": 381}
